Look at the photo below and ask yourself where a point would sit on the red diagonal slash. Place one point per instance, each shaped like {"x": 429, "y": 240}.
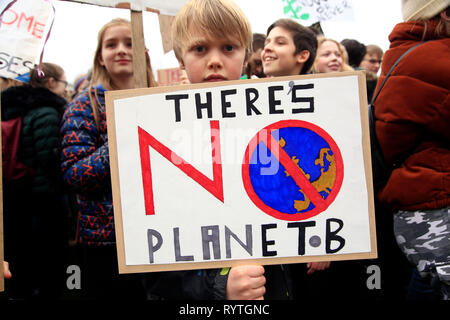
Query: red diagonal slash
{"x": 300, "y": 179}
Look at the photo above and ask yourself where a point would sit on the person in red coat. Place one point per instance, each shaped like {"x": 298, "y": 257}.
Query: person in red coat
{"x": 413, "y": 126}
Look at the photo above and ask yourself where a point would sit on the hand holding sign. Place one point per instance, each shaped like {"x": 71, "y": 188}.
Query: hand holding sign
{"x": 246, "y": 283}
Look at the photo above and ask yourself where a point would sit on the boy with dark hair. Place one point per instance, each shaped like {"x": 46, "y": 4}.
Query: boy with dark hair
{"x": 290, "y": 49}
{"x": 356, "y": 52}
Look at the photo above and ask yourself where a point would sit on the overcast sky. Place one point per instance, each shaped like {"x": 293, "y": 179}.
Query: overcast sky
{"x": 73, "y": 37}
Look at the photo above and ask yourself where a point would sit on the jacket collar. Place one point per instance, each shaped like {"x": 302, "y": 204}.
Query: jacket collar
{"x": 21, "y": 99}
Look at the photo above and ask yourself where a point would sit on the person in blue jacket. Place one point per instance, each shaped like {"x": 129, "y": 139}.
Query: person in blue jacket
{"x": 86, "y": 166}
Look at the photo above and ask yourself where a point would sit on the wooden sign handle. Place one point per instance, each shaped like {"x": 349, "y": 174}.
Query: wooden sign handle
{"x": 137, "y": 33}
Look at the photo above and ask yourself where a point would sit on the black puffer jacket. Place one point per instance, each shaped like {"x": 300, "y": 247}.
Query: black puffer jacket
{"x": 40, "y": 141}
{"x": 34, "y": 216}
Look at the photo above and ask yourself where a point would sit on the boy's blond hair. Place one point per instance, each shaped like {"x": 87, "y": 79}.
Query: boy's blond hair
{"x": 214, "y": 18}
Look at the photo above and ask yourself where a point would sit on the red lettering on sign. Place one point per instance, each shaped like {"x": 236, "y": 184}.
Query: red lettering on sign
{"x": 215, "y": 186}
{"x": 30, "y": 23}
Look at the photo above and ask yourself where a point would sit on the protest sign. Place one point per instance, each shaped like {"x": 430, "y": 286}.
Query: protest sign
{"x": 5, "y": 4}
{"x": 22, "y": 35}
{"x": 267, "y": 170}
{"x": 170, "y": 76}
{"x": 309, "y": 12}
{"x": 162, "y": 6}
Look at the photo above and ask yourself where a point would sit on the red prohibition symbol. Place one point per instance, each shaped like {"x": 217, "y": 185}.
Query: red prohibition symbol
{"x": 292, "y": 170}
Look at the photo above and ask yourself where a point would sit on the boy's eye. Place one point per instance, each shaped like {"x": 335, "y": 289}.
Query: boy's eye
{"x": 199, "y": 49}
{"x": 229, "y": 47}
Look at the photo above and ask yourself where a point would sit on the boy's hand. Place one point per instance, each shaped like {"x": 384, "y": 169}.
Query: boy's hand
{"x": 246, "y": 283}
{"x": 317, "y": 266}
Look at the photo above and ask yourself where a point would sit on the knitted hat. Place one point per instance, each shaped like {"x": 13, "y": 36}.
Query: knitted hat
{"x": 422, "y": 9}
{"x": 78, "y": 82}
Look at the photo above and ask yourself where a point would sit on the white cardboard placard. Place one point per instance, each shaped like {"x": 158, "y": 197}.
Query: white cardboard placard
{"x": 256, "y": 171}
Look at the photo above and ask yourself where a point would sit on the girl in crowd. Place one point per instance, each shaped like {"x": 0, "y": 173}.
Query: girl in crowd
{"x": 34, "y": 215}
{"x": 331, "y": 57}
{"x": 86, "y": 166}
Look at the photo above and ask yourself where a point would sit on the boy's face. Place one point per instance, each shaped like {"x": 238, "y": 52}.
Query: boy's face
{"x": 371, "y": 62}
{"x": 278, "y": 56}
{"x": 207, "y": 59}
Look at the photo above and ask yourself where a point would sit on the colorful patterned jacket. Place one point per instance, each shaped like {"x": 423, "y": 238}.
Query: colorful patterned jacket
{"x": 86, "y": 170}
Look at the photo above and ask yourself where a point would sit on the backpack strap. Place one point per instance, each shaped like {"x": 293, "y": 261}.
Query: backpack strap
{"x": 381, "y": 171}
{"x": 392, "y": 69}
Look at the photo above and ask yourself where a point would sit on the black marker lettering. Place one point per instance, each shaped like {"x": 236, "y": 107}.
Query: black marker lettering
{"x": 301, "y": 233}
{"x": 176, "y": 239}
{"x": 249, "y": 240}
{"x": 332, "y": 236}
{"x": 210, "y": 234}
{"x": 227, "y": 104}
{"x": 177, "y": 98}
{"x": 265, "y": 242}
{"x": 153, "y": 247}
{"x": 206, "y": 105}
{"x": 309, "y": 100}
{"x": 250, "y": 101}
{"x": 272, "y": 101}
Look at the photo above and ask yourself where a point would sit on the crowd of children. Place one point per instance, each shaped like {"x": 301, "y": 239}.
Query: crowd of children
{"x": 66, "y": 143}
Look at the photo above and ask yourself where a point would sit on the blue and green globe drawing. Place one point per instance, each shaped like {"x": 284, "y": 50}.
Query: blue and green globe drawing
{"x": 316, "y": 157}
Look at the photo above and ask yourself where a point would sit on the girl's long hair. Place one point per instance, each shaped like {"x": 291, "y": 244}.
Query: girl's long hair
{"x": 442, "y": 29}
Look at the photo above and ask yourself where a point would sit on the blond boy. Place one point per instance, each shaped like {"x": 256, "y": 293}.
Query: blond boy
{"x": 212, "y": 42}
